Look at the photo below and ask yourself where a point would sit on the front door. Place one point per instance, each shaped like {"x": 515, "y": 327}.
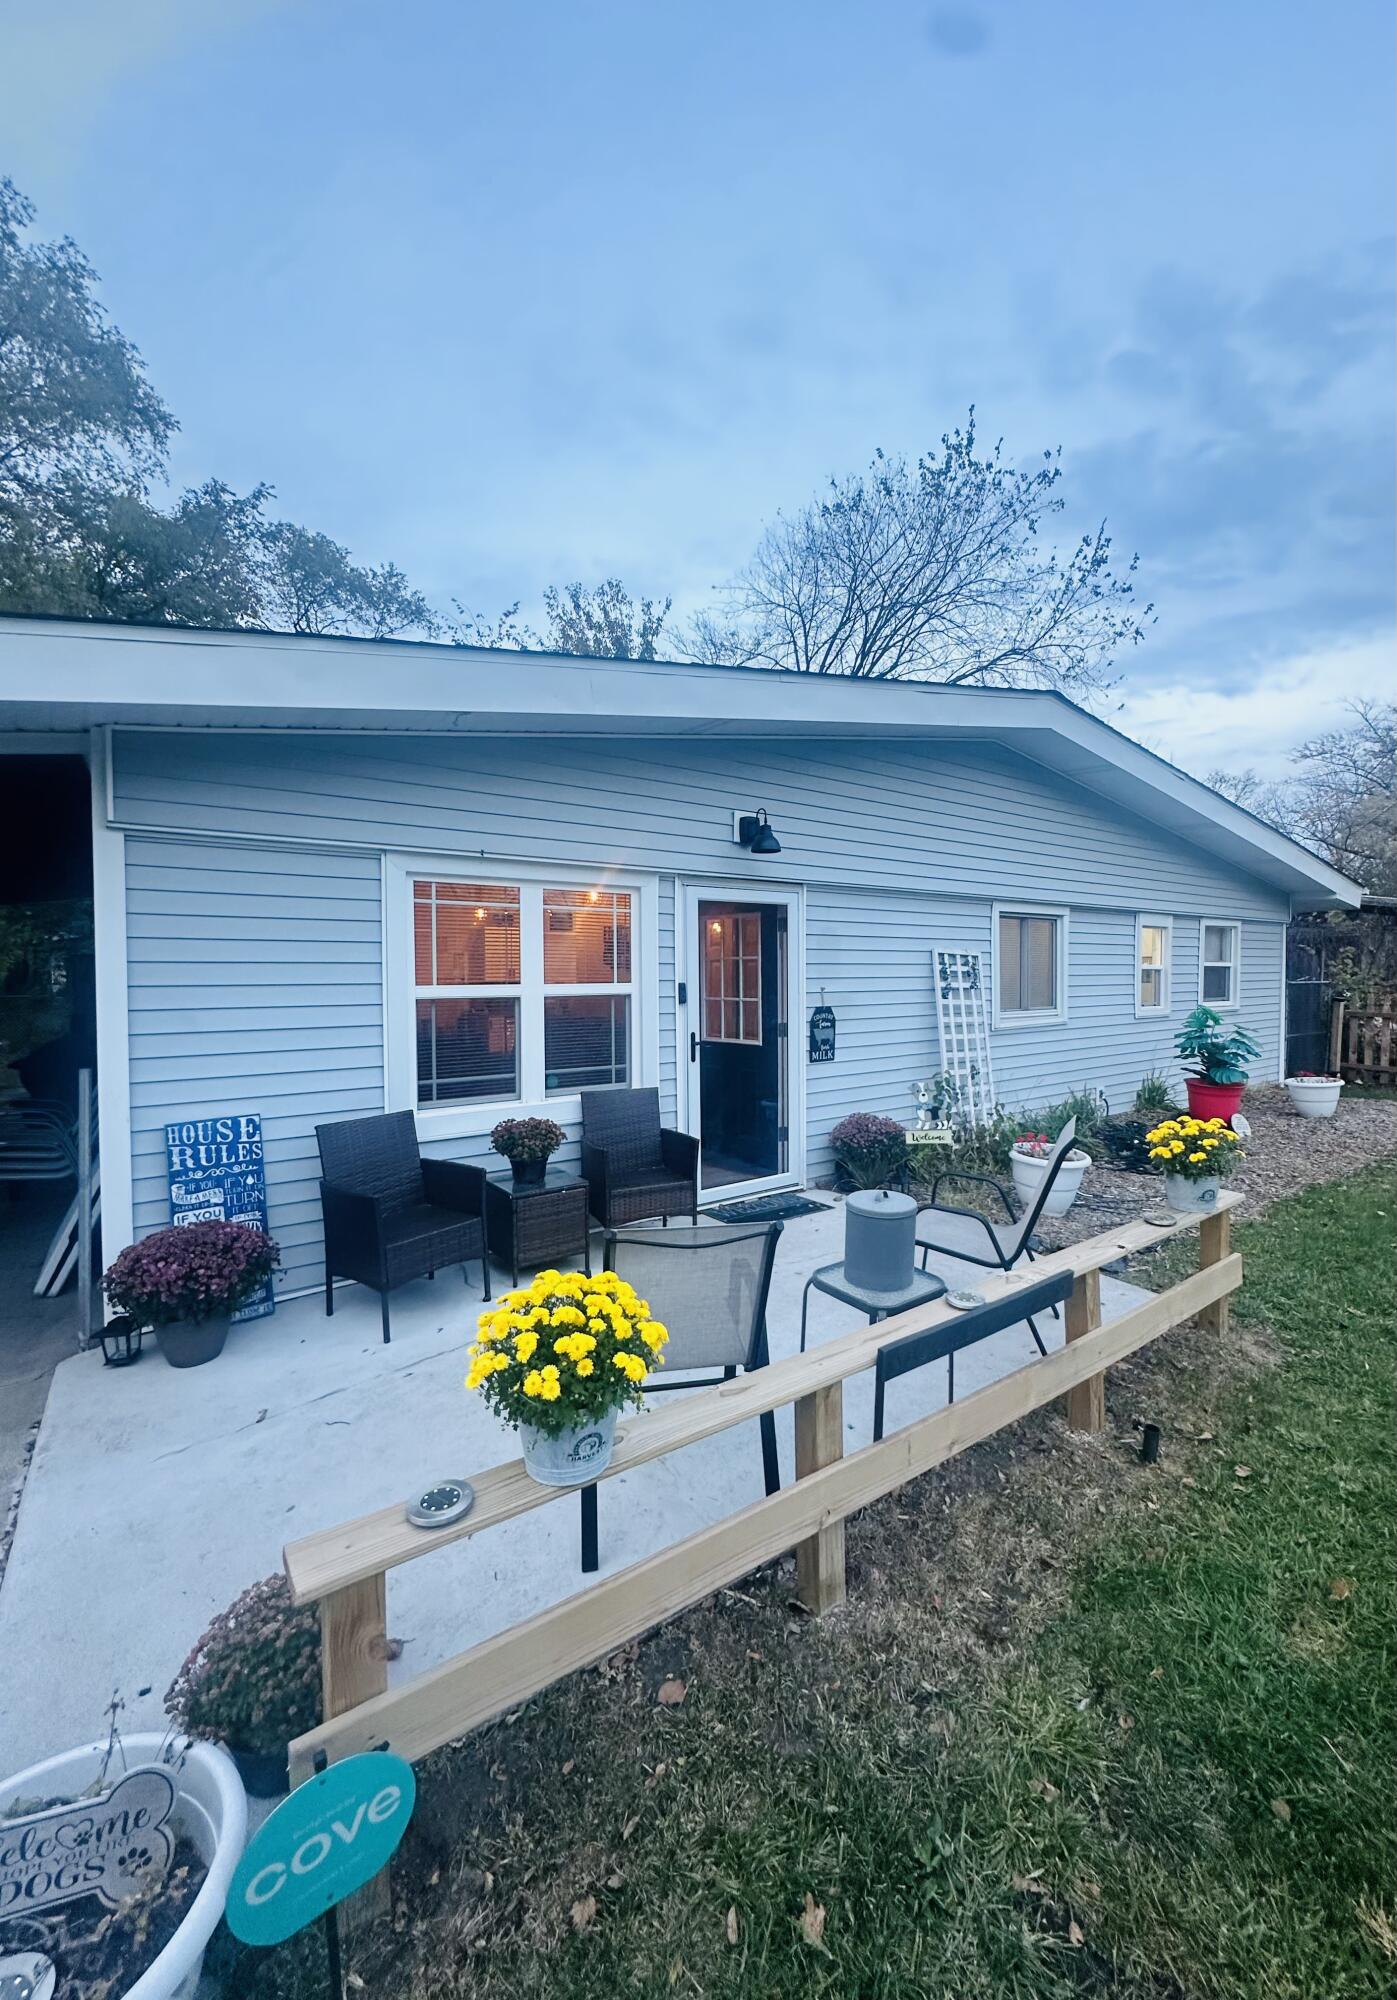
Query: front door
{"x": 737, "y": 1011}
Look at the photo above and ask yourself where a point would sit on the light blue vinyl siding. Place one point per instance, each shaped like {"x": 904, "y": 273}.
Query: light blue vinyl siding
{"x": 256, "y": 935}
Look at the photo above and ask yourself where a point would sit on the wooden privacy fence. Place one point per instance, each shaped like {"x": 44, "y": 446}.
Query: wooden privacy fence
{"x": 344, "y": 1569}
{"x": 1363, "y": 1039}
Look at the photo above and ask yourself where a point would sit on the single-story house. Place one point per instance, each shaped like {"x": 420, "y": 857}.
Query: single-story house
{"x": 333, "y": 875}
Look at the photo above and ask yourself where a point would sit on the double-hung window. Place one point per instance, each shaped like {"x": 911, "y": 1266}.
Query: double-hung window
{"x": 521, "y": 990}
{"x": 1030, "y": 966}
{"x": 1219, "y": 963}
{"x": 1154, "y": 951}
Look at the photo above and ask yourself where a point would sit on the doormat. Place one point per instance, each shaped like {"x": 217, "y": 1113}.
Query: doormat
{"x": 768, "y": 1208}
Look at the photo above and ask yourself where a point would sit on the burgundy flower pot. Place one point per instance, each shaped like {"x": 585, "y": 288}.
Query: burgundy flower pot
{"x": 1213, "y": 1100}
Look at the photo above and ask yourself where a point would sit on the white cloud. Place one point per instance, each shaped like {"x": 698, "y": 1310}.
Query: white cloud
{"x": 1203, "y": 728}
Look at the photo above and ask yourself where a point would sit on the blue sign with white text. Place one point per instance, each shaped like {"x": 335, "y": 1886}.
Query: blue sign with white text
{"x": 328, "y": 1839}
{"x": 217, "y": 1175}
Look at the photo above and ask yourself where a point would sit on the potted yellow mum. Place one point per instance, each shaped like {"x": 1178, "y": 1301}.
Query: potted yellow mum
{"x": 558, "y": 1360}
{"x": 1195, "y": 1156}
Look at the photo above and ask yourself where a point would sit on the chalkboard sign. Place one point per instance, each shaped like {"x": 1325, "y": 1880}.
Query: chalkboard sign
{"x": 217, "y": 1175}
{"x": 822, "y": 1034}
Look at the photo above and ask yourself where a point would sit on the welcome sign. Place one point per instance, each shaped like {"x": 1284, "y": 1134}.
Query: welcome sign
{"x": 217, "y": 1174}
{"x": 104, "y": 1847}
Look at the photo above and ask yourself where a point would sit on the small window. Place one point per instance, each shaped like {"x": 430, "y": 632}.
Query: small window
{"x": 1030, "y": 966}
{"x": 732, "y": 978}
{"x": 1219, "y": 961}
{"x": 1154, "y": 950}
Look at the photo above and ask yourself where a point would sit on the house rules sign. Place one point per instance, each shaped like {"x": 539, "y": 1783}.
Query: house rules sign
{"x": 217, "y": 1175}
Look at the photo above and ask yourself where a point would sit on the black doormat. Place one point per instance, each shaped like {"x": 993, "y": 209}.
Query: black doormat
{"x": 767, "y": 1208}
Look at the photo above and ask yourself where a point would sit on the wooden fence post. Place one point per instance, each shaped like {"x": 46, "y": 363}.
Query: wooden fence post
{"x": 1086, "y": 1404}
{"x": 1214, "y": 1243}
{"x": 819, "y": 1442}
{"x": 354, "y": 1668}
{"x": 1336, "y": 1036}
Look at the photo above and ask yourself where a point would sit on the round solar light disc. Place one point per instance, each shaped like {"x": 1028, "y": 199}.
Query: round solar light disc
{"x": 1160, "y": 1218}
{"x": 449, "y": 1500}
{"x": 1241, "y": 1125}
{"x": 965, "y": 1302}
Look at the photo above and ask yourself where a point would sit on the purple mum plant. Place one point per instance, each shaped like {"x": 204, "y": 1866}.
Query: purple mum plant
{"x": 191, "y": 1272}
{"x": 869, "y": 1148}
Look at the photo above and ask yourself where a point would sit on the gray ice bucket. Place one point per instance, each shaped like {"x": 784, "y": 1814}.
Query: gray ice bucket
{"x": 880, "y": 1240}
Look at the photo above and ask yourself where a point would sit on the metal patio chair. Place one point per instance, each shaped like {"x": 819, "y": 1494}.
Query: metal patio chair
{"x": 634, "y": 1167}
{"x": 944, "y": 1343}
{"x": 708, "y": 1283}
{"x": 974, "y": 1238}
{"x": 390, "y": 1215}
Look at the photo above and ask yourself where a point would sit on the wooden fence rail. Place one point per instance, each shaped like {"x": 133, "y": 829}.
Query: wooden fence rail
{"x": 344, "y": 1568}
{"x": 1363, "y": 1039}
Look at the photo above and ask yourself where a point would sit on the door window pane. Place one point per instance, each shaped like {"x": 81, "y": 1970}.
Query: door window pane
{"x": 1027, "y": 965}
{"x": 586, "y": 1041}
{"x": 465, "y": 934}
{"x": 586, "y": 937}
{"x": 732, "y": 977}
{"x": 467, "y": 1049}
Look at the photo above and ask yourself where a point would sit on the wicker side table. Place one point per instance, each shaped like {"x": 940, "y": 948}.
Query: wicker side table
{"x": 539, "y": 1222}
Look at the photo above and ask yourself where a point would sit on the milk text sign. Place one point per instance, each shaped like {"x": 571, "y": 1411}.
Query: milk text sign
{"x": 328, "y": 1839}
{"x": 104, "y": 1847}
{"x": 217, "y": 1175}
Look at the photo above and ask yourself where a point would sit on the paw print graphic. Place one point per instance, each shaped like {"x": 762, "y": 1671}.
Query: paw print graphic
{"x": 134, "y": 1861}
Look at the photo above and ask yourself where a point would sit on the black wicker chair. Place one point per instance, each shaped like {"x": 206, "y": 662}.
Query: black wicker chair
{"x": 709, "y": 1284}
{"x": 635, "y": 1169}
{"x": 390, "y": 1215}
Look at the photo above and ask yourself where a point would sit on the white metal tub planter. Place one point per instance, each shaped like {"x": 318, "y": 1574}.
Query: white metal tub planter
{"x": 187, "y": 1282}
{"x": 114, "y": 1866}
{"x": 1029, "y": 1161}
{"x": 558, "y": 1360}
{"x": 1314, "y": 1096}
{"x": 1195, "y": 1155}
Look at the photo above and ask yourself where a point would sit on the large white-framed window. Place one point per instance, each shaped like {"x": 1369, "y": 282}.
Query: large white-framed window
{"x": 1219, "y": 962}
{"x": 511, "y": 990}
{"x": 1030, "y": 965}
{"x": 1154, "y": 964}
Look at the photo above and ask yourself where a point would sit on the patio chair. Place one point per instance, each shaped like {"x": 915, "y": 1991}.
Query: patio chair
{"x": 974, "y": 1238}
{"x": 944, "y": 1342}
{"x": 708, "y": 1283}
{"x": 634, "y": 1167}
{"x": 390, "y": 1215}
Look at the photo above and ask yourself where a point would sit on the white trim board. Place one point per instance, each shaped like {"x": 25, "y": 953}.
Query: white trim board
{"x": 113, "y": 1009}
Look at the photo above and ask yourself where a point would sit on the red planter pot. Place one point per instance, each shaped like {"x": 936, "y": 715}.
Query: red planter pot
{"x": 1213, "y": 1100}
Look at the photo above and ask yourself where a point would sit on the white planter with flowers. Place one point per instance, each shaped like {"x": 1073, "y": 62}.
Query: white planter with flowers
{"x": 1314, "y": 1096}
{"x": 1195, "y": 1155}
{"x": 558, "y": 1361}
{"x": 1029, "y": 1161}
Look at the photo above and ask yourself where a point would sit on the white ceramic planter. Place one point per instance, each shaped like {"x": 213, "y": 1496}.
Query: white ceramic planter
{"x": 1029, "y": 1173}
{"x": 1314, "y": 1096}
{"x": 1192, "y": 1197}
{"x": 572, "y": 1458}
{"x": 210, "y": 1808}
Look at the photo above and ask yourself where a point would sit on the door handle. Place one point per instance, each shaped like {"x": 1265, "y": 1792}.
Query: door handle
{"x": 693, "y": 1047}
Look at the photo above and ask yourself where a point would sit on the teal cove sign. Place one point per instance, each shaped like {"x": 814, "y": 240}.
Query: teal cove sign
{"x": 328, "y": 1839}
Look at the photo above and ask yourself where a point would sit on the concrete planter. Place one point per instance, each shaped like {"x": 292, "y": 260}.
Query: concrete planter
{"x": 1314, "y": 1096}
{"x": 1029, "y": 1173}
{"x": 1192, "y": 1197}
{"x": 570, "y": 1458}
{"x": 210, "y": 1809}
{"x": 190, "y": 1343}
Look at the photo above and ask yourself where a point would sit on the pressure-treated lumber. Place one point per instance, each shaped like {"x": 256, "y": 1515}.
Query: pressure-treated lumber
{"x": 353, "y": 1670}
{"x": 819, "y": 1426}
{"x": 1215, "y": 1243}
{"x": 342, "y": 1555}
{"x": 502, "y": 1671}
{"x": 1086, "y": 1404}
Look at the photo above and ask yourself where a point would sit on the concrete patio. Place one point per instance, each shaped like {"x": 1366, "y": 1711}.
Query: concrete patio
{"x": 156, "y": 1495}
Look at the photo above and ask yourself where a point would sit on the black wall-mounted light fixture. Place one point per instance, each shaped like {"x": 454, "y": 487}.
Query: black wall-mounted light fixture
{"x": 754, "y": 832}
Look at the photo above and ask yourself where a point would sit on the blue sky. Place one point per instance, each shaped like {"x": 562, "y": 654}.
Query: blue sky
{"x": 519, "y": 294}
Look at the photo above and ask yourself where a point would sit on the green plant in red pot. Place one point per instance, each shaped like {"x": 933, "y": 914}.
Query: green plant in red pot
{"x": 1218, "y": 1057}
{"x": 528, "y": 1144}
{"x": 187, "y": 1281}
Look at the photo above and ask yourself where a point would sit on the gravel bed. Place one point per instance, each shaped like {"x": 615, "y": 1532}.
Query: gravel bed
{"x": 1284, "y": 1154}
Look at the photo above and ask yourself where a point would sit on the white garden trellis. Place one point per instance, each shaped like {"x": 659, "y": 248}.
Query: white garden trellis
{"x": 963, "y": 1026}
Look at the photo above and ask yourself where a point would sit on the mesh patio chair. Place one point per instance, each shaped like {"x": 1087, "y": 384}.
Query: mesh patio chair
{"x": 708, "y": 1283}
{"x": 634, "y": 1167}
{"x": 974, "y": 1238}
{"x": 944, "y": 1343}
{"x": 390, "y": 1215}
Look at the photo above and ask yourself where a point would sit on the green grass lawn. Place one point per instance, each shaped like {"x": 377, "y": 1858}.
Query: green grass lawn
{"x": 1086, "y": 1727}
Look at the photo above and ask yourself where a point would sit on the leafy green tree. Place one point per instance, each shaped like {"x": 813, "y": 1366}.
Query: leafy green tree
{"x": 310, "y": 584}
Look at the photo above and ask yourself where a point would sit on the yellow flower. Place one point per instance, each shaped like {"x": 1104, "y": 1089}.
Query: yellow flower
{"x": 533, "y": 1383}
{"x": 1209, "y": 1144}
{"x": 585, "y": 1367}
{"x": 524, "y": 1345}
{"x": 654, "y": 1334}
{"x": 1195, "y": 1158}
{"x": 552, "y": 1389}
{"x": 596, "y": 1326}
{"x": 1233, "y": 1137}
{"x": 1176, "y": 1145}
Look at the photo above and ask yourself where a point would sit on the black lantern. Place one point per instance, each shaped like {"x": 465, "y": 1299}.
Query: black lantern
{"x": 121, "y": 1342}
{"x": 754, "y": 832}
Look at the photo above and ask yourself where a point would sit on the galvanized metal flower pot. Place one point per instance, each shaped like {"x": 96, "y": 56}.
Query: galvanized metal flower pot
{"x": 1188, "y": 1197}
{"x": 569, "y": 1458}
